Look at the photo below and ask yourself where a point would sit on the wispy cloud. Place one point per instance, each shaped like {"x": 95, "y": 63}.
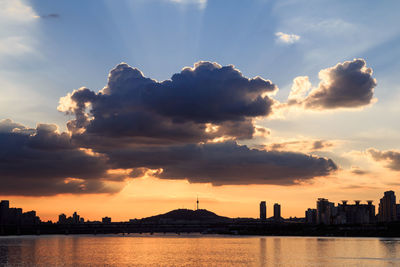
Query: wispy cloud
{"x": 14, "y": 45}
{"x": 301, "y": 145}
{"x": 15, "y": 17}
{"x": 16, "y": 11}
{"x": 50, "y": 16}
{"x": 200, "y": 3}
{"x": 287, "y": 38}
{"x": 391, "y": 157}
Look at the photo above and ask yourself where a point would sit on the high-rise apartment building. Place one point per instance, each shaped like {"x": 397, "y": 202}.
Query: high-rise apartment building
{"x": 277, "y": 212}
{"x": 325, "y": 210}
{"x": 387, "y": 207}
{"x": 263, "y": 211}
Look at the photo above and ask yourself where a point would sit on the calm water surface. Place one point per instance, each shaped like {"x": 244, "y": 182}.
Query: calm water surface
{"x": 196, "y": 250}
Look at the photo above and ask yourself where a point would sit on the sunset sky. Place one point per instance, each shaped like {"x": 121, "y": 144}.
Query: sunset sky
{"x": 131, "y": 108}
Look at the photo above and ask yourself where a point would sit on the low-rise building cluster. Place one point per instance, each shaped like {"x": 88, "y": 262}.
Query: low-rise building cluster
{"x": 327, "y": 212}
{"x": 74, "y": 219}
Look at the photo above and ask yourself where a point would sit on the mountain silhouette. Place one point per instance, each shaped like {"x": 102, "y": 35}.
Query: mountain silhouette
{"x": 186, "y": 215}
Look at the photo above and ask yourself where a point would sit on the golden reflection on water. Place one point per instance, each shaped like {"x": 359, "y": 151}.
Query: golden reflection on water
{"x": 197, "y": 250}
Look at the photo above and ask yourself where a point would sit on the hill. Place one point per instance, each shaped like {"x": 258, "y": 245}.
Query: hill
{"x": 186, "y": 215}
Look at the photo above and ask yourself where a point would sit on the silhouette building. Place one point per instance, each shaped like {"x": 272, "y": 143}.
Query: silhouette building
{"x": 344, "y": 213}
{"x": 15, "y": 216}
{"x": 62, "y": 218}
{"x": 29, "y": 218}
{"x": 106, "y": 220}
{"x": 4, "y": 207}
{"x": 263, "y": 211}
{"x": 397, "y": 212}
{"x": 324, "y": 211}
{"x": 354, "y": 214}
{"x": 387, "y": 207}
{"x": 75, "y": 219}
{"x": 277, "y": 212}
{"x": 311, "y": 216}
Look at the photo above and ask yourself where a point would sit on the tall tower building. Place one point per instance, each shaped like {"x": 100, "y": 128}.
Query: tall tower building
{"x": 263, "y": 211}
{"x": 387, "y": 207}
{"x": 75, "y": 218}
{"x": 277, "y": 212}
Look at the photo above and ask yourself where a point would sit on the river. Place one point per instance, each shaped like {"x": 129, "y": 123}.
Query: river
{"x": 196, "y": 250}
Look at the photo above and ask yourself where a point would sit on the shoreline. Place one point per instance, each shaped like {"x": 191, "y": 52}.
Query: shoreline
{"x": 232, "y": 229}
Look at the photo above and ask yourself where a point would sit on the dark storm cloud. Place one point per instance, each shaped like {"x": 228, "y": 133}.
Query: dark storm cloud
{"x": 391, "y": 157}
{"x": 224, "y": 164}
{"x": 46, "y": 163}
{"x": 346, "y": 85}
{"x": 197, "y": 104}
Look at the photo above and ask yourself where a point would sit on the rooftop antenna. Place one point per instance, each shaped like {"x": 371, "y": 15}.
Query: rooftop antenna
{"x": 197, "y": 202}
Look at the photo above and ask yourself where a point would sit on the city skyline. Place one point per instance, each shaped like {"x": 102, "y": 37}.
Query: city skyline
{"x": 325, "y": 212}
{"x": 137, "y": 106}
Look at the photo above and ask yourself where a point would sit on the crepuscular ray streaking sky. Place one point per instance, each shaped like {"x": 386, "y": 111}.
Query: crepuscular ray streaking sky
{"x": 272, "y": 100}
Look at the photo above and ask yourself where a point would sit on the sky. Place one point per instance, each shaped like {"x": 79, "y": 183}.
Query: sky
{"x": 131, "y": 108}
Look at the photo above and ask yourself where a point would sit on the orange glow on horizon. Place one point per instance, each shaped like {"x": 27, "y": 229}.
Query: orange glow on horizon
{"x": 148, "y": 196}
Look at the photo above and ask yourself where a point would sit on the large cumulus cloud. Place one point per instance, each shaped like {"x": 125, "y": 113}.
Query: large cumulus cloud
{"x": 347, "y": 85}
{"x": 196, "y": 105}
{"x": 188, "y": 127}
{"x": 141, "y": 123}
{"x": 42, "y": 161}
